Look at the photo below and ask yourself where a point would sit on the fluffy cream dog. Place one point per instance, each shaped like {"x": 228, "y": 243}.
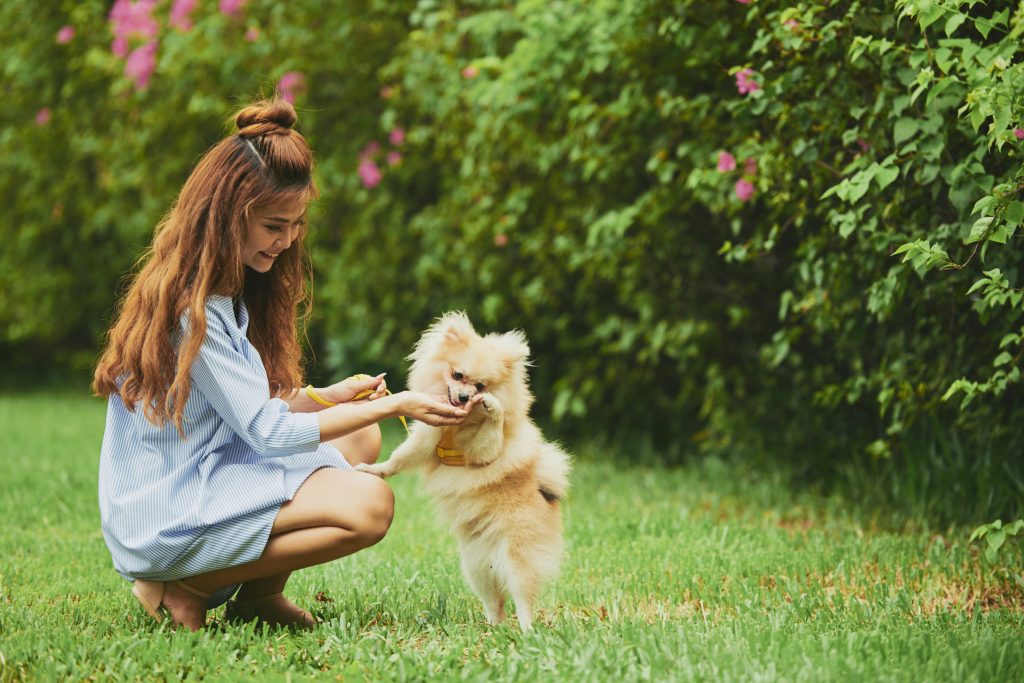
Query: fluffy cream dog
{"x": 494, "y": 477}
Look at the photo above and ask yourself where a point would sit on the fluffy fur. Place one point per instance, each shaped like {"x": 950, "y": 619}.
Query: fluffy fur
{"x": 504, "y": 504}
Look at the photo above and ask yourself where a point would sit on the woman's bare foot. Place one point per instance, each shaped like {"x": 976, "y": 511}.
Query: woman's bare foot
{"x": 186, "y": 609}
{"x": 271, "y": 610}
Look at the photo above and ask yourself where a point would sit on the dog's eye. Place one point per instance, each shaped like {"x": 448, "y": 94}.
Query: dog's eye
{"x": 479, "y": 386}
{"x": 457, "y": 376}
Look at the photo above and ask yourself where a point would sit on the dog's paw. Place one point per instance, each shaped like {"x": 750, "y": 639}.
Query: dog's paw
{"x": 491, "y": 405}
{"x": 379, "y": 469}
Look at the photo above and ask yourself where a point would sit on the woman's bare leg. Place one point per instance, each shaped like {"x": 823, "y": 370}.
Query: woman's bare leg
{"x": 333, "y": 514}
{"x": 358, "y": 447}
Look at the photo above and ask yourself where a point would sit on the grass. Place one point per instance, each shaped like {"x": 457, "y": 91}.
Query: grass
{"x": 701, "y": 573}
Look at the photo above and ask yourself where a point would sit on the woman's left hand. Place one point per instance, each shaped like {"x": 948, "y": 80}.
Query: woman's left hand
{"x": 347, "y": 389}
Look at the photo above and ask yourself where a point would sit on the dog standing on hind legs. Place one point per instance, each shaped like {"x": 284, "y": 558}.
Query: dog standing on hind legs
{"x": 494, "y": 478}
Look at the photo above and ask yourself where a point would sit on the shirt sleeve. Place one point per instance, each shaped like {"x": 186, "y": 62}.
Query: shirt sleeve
{"x": 241, "y": 395}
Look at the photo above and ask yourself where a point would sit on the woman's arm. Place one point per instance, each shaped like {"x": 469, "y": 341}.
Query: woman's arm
{"x": 340, "y": 392}
{"x": 346, "y": 418}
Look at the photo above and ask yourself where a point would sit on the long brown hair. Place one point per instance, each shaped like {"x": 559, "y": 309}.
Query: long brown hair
{"x": 196, "y": 252}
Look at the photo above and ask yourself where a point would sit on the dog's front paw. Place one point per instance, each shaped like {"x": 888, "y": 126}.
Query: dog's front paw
{"x": 491, "y": 405}
{"x": 379, "y": 469}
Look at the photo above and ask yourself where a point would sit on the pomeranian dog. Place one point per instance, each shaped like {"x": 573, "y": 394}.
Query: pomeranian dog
{"x": 495, "y": 479}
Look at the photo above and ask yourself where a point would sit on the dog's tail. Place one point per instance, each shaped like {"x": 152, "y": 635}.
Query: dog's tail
{"x": 553, "y": 472}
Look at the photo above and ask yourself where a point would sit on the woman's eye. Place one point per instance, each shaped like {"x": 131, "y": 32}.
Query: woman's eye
{"x": 479, "y": 386}
{"x": 274, "y": 228}
{"x": 457, "y": 376}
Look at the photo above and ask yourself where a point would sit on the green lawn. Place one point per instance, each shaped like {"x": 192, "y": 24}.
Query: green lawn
{"x": 704, "y": 573}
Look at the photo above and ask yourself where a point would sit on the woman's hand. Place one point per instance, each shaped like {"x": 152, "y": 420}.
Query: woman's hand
{"x": 433, "y": 410}
{"x": 347, "y": 389}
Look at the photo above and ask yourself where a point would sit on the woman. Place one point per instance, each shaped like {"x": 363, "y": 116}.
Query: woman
{"x": 216, "y": 470}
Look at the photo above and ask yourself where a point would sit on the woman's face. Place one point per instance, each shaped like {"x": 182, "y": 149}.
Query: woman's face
{"x": 273, "y": 229}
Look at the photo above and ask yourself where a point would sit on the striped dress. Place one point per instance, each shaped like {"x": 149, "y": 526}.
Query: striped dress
{"x": 173, "y": 508}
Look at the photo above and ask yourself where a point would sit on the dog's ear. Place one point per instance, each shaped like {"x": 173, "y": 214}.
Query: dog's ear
{"x": 455, "y": 328}
{"x": 512, "y": 347}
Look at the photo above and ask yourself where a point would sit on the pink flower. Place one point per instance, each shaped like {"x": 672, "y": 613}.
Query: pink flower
{"x": 65, "y": 34}
{"x": 743, "y": 2}
{"x": 134, "y": 18}
{"x": 252, "y": 34}
{"x": 500, "y": 240}
{"x": 750, "y": 166}
{"x": 180, "y": 11}
{"x": 292, "y": 84}
{"x": 744, "y": 190}
{"x": 726, "y": 162}
{"x": 369, "y": 174}
{"x": 1018, "y": 133}
{"x": 397, "y": 136}
{"x": 744, "y": 83}
{"x": 231, "y": 8}
{"x": 394, "y": 158}
{"x": 43, "y": 116}
{"x": 387, "y": 92}
{"x": 140, "y": 64}
{"x": 791, "y": 24}
{"x": 470, "y": 72}
{"x": 119, "y": 46}
{"x": 370, "y": 151}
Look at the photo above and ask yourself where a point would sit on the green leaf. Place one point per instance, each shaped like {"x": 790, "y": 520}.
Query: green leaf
{"x": 978, "y": 230}
{"x": 1014, "y": 212}
{"x": 954, "y": 22}
{"x": 995, "y": 539}
{"x": 886, "y": 175}
{"x": 1002, "y": 359}
{"x": 905, "y": 129}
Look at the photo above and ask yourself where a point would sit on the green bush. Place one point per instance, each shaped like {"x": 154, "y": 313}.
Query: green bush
{"x": 775, "y": 227}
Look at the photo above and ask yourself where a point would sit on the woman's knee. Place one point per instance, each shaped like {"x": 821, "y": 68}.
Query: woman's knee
{"x": 377, "y": 512}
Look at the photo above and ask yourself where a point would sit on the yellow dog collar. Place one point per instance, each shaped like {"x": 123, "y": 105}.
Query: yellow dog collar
{"x": 446, "y": 451}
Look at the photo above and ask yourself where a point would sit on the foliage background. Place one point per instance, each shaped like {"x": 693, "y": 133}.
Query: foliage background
{"x": 844, "y": 298}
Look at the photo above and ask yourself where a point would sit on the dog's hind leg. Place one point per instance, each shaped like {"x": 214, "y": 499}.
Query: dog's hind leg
{"x": 524, "y": 586}
{"x": 485, "y": 584}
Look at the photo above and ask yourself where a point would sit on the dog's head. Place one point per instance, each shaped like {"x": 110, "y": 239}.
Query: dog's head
{"x": 452, "y": 359}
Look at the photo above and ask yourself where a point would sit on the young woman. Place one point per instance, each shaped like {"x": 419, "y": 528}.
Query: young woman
{"x": 216, "y": 469}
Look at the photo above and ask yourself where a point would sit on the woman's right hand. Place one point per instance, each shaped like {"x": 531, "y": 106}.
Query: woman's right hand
{"x": 434, "y": 410}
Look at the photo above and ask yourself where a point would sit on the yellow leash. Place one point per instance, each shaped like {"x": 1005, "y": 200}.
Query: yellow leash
{"x": 311, "y": 392}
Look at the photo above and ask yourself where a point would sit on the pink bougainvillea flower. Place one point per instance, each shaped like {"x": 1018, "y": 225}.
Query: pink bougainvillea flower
{"x": 744, "y": 190}
{"x": 252, "y": 34}
{"x": 370, "y": 151}
{"x": 291, "y": 85}
{"x": 43, "y": 116}
{"x": 791, "y": 24}
{"x": 726, "y": 162}
{"x": 1018, "y": 133}
{"x": 180, "y": 11}
{"x": 119, "y": 46}
{"x": 470, "y": 72}
{"x": 134, "y": 18}
{"x": 743, "y": 2}
{"x": 65, "y": 34}
{"x": 369, "y": 174}
{"x": 394, "y": 158}
{"x": 501, "y": 240}
{"x": 397, "y": 136}
{"x": 231, "y": 8}
{"x": 140, "y": 64}
{"x": 744, "y": 83}
{"x": 750, "y": 166}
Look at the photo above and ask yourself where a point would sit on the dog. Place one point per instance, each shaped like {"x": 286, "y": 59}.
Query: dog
{"x": 494, "y": 478}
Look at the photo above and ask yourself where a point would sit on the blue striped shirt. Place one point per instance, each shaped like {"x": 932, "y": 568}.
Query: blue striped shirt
{"x": 173, "y": 507}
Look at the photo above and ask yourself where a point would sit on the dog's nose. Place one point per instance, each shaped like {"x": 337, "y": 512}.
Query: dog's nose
{"x": 463, "y": 397}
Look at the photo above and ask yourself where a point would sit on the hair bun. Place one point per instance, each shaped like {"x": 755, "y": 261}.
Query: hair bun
{"x": 266, "y": 115}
